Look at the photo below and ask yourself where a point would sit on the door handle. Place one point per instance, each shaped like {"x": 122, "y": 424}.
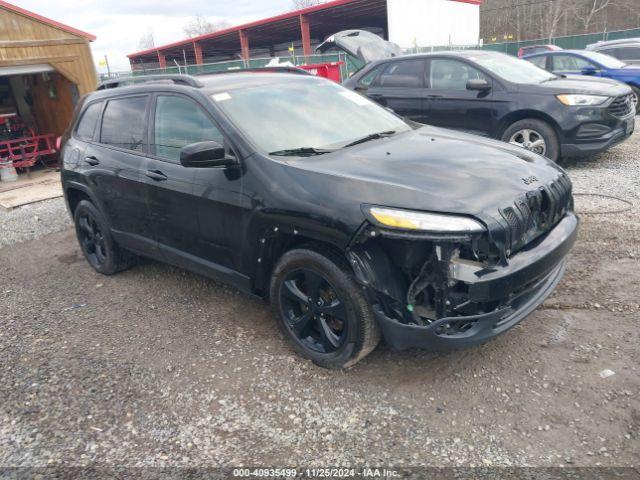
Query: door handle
{"x": 434, "y": 97}
{"x": 156, "y": 175}
{"x": 91, "y": 160}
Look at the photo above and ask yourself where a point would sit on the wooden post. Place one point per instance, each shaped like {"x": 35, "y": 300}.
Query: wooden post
{"x": 244, "y": 45}
{"x": 197, "y": 48}
{"x": 162, "y": 60}
{"x": 305, "y": 32}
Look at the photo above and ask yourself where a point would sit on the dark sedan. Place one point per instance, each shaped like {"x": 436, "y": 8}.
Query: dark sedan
{"x": 503, "y": 97}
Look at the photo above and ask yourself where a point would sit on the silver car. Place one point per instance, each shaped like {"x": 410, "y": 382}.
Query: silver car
{"x": 627, "y": 49}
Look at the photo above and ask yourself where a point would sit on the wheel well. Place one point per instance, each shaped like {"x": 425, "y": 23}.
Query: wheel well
{"x": 74, "y": 197}
{"x": 525, "y": 114}
{"x": 273, "y": 248}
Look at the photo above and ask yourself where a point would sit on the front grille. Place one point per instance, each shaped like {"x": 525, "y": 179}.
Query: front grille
{"x": 622, "y": 106}
{"x": 536, "y": 212}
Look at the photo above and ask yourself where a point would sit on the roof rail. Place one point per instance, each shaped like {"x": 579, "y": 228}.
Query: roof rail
{"x": 134, "y": 79}
{"x": 190, "y": 80}
{"x": 614, "y": 42}
{"x": 270, "y": 69}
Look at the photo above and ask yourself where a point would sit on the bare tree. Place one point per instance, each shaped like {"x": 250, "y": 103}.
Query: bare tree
{"x": 199, "y": 25}
{"x": 586, "y": 11}
{"x": 552, "y": 17}
{"x": 147, "y": 40}
{"x": 504, "y": 20}
{"x": 298, "y": 4}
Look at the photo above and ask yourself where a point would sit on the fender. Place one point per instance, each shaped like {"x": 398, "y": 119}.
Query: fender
{"x": 75, "y": 185}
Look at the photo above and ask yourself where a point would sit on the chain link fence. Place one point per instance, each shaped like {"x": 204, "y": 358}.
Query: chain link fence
{"x": 349, "y": 65}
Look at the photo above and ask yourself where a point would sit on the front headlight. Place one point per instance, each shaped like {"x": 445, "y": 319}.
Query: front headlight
{"x": 426, "y": 222}
{"x": 582, "y": 100}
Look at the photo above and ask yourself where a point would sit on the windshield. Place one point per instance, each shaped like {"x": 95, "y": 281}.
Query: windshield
{"x": 513, "y": 69}
{"x": 309, "y": 113}
{"x": 606, "y": 61}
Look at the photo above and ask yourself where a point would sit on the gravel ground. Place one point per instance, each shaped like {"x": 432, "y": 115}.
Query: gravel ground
{"x": 33, "y": 221}
{"x": 157, "y": 366}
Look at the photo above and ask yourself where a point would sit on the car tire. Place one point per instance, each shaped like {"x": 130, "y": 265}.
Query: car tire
{"x": 528, "y": 132}
{"x": 96, "y": 242}
{"x": 338, "y": 333}
{"x": 636, "y": 92}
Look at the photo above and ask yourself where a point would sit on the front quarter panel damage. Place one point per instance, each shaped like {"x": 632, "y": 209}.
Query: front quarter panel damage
{"x": 421, "y": 300}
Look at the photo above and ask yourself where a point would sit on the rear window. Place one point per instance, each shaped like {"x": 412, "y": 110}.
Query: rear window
{"x": 539, "y": 61}
{"x": 123, "y": 123}
{"x": 405, "y": 74}
{"x": 88, "y": 122}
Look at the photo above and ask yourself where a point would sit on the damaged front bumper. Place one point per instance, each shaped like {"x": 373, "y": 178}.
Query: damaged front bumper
{"x": 516, "y": 289}
{"x": 484, "y": 327}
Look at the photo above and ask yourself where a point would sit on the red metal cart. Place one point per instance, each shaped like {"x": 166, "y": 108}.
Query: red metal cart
{"x": 26, "y": 151}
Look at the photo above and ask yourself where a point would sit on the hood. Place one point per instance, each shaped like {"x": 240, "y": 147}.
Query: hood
{"x": 432, "y": 169}
{"x": 580, "y": 84}
{"x": 366, "y": 46}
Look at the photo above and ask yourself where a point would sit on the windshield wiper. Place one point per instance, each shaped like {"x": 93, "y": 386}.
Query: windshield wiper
{"x": 373, "y": 136}
{"x": 301, "y": 152}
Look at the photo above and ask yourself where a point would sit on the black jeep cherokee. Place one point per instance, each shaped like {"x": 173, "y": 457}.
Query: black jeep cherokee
{"x": 355, "y": 223}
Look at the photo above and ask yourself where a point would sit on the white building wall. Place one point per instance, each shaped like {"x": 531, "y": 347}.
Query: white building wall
{"x": 426, "y": 23}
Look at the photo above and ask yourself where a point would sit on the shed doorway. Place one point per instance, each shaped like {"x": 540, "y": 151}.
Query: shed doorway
{"x": 36, "y": 106}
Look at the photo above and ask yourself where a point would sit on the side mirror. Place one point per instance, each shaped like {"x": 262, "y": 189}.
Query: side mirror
{"x": 204, "y": 154}
{"x": 478, "y": 85}
{"x": 589, "y": 70}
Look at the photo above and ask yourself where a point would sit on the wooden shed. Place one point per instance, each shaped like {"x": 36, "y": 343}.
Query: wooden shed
{"x": 45, "y": 67}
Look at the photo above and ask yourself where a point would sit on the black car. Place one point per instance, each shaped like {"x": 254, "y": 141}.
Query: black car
{"x": 503, "y": 97}
{"x": 354, "y": 223}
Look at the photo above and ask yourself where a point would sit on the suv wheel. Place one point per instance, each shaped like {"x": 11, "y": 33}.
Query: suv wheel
{"x": 96, "y": 242}
{"x": 534, "y": 135}
{"x": 636, "y": 93}
{"x": 321, "y": 309}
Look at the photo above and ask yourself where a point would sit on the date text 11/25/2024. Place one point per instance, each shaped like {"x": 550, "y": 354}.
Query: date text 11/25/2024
{"x": 315, "y": 473}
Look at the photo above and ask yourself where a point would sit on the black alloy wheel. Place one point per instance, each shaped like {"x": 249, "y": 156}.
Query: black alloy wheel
{"x": 314, "y": 312}
{"x": 96, "y": 242}
{"x": 92, "y": 240}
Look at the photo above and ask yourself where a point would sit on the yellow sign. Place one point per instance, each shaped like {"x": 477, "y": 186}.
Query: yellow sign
{"x": 102, "y": 63}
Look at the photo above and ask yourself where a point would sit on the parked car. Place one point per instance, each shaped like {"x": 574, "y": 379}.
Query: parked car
{"x": 531, "y": 49}
{"x": 595, "y": 64}
{"x": 500, "y": 96}
{"x": 626, "y": 50}
{"x": 354, "y": 222}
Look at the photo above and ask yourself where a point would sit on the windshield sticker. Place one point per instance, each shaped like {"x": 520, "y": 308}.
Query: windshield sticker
{"x": 221, "y": 97}
{"x": 355, "y": 98}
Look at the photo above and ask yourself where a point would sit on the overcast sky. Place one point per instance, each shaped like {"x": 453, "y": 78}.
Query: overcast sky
{"x": 119, "y": 24}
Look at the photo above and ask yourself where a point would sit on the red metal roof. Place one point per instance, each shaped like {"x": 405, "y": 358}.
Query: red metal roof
{"x": 285, "y": 16}
{"x": 48, "y": 21}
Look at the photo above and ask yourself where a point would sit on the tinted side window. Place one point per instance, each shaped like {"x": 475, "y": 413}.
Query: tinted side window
{"x": 88, "y": 122}
{"x": 614, "y": 52}
{"x": 569, "y": 63}
{"x": 627, "y": 53}
{"x": 123, "y": 123}
{"x": 539, "y": 61}
{"x": 179, "y": 122}
{"x": 370, "y": 77}
{"x": 408, "y": 74}
{"x": 446, "y": 74}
